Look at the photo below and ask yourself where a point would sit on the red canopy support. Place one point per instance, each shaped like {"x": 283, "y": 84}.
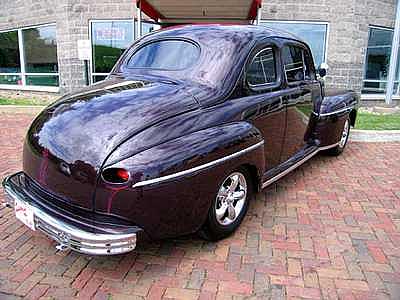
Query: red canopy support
{"x": 149, "y": 10}
{"x": 255, "y": 6}
{"x": 176, "y": 12}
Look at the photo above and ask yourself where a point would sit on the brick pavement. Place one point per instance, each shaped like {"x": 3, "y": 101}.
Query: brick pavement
{"x": 329, "y": 230}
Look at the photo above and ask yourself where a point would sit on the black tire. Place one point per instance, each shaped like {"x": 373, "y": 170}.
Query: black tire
{"x": 336, "y": 151}
{"x": 212, "y": 229}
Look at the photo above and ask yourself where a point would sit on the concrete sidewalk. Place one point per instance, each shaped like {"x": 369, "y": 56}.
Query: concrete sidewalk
{"x": 374, "y": 135}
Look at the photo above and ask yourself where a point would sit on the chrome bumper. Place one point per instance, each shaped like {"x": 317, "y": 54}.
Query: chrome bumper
{"x": 68, "y": 235}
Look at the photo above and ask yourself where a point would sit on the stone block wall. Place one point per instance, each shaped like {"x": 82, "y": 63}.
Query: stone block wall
{"x": 348, "y": 31}
{"x": 72, "y": 19}
{"x": 347, "y": 40}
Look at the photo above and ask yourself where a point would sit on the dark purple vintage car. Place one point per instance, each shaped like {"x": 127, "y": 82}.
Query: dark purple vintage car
{"x": 191, "y": 122}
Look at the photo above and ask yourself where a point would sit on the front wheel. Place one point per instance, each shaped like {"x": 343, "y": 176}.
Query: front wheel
{"x": 343, "y": 140}
{"x": 229, "y": 206}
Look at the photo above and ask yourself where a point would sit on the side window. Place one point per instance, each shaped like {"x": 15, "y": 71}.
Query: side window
{"x": 296, "y": 63}
{"x": 262, "y": 68}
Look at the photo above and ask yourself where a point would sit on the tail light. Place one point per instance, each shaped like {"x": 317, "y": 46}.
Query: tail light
{"x": 115, "y": 175}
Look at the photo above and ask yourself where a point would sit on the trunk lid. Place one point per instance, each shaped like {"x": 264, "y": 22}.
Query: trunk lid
{"x": 69, "y": 141}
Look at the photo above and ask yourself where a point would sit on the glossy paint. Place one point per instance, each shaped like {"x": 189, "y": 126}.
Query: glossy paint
{"x": 155, "y": 123}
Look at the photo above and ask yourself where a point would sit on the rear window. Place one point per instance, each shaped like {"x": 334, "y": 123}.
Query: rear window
{"x": 168, "y": 55}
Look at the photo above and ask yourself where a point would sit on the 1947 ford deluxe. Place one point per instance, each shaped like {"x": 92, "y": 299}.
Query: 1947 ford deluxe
{"x": 189, "y": 124}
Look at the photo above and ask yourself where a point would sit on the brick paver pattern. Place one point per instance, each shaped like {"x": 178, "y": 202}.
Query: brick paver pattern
{"x": 329, "y": 230}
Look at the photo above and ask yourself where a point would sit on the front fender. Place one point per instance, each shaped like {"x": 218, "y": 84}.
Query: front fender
{"x": 333, "y": 112}
{"x": 336, "y": 102}
{"x": 173, "y": 184}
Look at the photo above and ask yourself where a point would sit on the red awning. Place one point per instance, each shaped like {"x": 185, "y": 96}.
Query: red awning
{"x": 206, "y": 11}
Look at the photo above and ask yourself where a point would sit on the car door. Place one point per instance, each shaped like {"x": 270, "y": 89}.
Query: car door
{"x": 263, "y": 80}
{"x": 301, "y": 88}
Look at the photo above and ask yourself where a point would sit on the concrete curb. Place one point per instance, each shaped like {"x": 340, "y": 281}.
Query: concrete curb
{"x": 374, "y": 136}
{"x": 21, "y": 109}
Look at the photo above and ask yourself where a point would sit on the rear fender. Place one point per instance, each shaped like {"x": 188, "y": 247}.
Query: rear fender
{"x": 173, "y": 184}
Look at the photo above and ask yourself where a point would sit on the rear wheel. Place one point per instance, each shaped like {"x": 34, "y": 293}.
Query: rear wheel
{"x": 229, "y": 206}
{"x": 343, "y": 140}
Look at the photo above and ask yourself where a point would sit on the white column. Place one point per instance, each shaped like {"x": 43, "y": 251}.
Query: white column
{"x": 139, "y": 21}
{"x": 259, "y": 15}
{"x": 22, "y": 56}
{"x": 393, "y": 57}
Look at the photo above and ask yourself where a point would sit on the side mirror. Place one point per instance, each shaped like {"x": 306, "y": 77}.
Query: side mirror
{"x": 323, "y": 70}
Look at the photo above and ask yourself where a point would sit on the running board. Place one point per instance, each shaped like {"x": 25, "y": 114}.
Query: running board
{"x": 294, "y": 166}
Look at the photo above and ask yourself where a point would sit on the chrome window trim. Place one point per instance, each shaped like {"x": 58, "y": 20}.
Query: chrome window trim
{"x": 196, "y": 169}
{"x": 299, "y": 163}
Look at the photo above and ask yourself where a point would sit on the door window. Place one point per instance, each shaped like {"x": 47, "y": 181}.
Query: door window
{"x": 293, "y": 60}
{"x": 262, "y": 68}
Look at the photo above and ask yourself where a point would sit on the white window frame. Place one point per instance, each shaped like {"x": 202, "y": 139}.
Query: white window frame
{"x": 23, "y": 73}
{"x": 369, "y": 96}
{"x": 91, "y": 66}
{"x": 327, "y": 24}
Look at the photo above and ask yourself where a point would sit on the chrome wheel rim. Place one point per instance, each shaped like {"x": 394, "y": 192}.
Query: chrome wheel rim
{"x": 231, "y": 198}
{"x": 345, "y": 134}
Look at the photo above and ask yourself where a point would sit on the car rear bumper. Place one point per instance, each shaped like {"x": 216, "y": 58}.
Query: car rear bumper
{"x": 76, "y": 234}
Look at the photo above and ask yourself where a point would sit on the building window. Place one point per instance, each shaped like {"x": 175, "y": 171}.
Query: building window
{"x": 40, "y": 50}
{"x": 110, "y": 38}
{"x": 10, "y": 63}
{"x": 377, "y": 61}
{"x": 28, "y": 58}
{"x": 315, "y": 34}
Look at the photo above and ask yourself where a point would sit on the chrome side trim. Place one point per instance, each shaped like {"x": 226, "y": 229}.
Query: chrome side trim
{"x": 66, "y": 234}
{"x": 196, "y": 169}
{"x": 335, "y": 112}
{"x": 328, "y": 147}
{"x": 299, "y": 163}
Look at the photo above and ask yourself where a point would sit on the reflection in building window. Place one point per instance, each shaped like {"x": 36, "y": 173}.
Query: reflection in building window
{"x": 377, "y": 61}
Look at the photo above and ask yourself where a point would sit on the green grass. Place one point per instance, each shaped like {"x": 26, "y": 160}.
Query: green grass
{"x": 365, "y": 120}
{"x": 4, "y": 101}
{"x": 370, "y": 121}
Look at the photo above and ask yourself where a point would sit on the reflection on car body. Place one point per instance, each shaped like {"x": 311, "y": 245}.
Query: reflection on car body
{"x": 190, "y": 123}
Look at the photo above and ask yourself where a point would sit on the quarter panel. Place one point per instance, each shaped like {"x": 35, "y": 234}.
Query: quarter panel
{"x": 180, "y": 205}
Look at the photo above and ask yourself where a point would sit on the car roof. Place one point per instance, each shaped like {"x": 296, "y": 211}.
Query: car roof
{"x": 200, "y": 31}
{"x": 224, "y": 51}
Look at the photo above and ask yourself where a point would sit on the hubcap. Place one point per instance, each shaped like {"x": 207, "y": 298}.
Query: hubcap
{"x": 231, "y": 198}
{"x": 345, "y": 134}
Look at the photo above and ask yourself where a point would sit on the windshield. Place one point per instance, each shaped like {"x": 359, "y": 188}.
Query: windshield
{"x": 168, "y": 55}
